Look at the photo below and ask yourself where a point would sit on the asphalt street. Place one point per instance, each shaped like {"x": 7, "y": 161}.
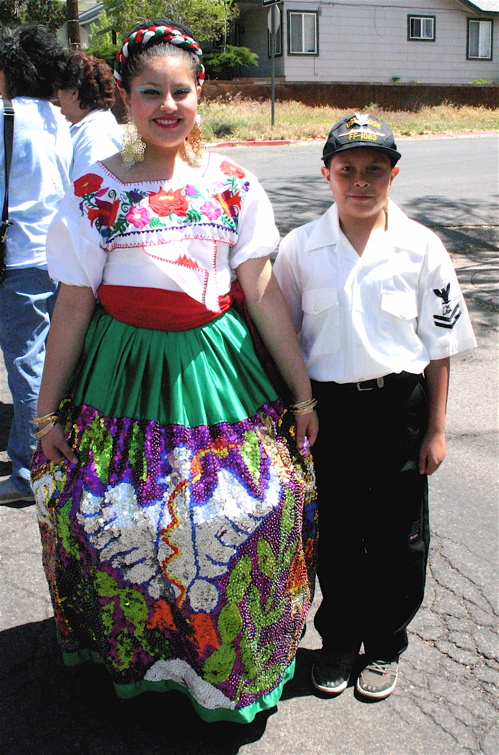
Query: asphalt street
{"x": 446, "y": 700}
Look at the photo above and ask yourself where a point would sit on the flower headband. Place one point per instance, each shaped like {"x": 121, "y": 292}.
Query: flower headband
{"x": 166, "y": 34}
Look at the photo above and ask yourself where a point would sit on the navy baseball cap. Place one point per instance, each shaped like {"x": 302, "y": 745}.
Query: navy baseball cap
{"x": 360, "y": 130}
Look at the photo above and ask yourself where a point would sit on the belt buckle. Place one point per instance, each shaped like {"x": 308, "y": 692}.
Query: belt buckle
{"x": 361, "y": 389}
{"x": 380, "y": 383}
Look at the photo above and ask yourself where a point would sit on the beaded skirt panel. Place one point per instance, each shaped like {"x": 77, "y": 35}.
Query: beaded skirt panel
{"x": 182, "y": 557}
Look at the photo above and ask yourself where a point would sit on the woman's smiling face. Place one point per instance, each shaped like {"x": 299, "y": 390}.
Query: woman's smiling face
{"x": 163, "y": 102}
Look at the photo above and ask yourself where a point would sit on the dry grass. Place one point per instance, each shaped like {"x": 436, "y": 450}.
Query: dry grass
{"x": 243, "y": 119}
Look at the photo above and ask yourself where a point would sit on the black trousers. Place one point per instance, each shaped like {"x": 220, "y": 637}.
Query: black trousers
{"x": 373, "y": 513}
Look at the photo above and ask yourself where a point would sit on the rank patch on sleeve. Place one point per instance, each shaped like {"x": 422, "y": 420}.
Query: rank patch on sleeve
{"x": 450, "y": 315}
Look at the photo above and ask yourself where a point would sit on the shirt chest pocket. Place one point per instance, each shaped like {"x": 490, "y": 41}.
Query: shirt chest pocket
{"x": 320, "y": 332}
{"x": 400, "y": 304}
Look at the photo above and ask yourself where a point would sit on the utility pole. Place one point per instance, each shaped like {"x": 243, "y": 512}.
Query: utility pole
{"x": 73, "y": 24}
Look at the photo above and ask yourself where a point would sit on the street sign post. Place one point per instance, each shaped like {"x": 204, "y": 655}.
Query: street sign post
{"x": 273, "y": 24}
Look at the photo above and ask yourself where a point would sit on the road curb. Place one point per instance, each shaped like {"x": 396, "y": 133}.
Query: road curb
{"x": 485, "y": 300}
{"x": 403, "y": 137}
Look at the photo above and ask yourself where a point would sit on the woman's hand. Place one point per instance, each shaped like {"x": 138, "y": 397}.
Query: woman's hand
{"x": 307, "y": 426}
{"x": 55, "y": 446}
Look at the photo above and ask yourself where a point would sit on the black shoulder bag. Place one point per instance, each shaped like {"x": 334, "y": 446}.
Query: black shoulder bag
{"x": 8, "y": 138}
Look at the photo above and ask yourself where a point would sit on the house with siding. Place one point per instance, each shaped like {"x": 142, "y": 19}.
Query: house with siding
{"x": 374, "y": 41}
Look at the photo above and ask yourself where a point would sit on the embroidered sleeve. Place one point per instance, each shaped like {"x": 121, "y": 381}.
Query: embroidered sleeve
{"x": 74, "y": 252}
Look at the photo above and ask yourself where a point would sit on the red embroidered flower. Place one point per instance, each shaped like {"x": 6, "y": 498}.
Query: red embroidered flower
{"x": 163, "y": 202}
{"x": 231, "y": 203}
{"x": 105, "y": 212}
{"x": 232, "y": 170}
{"x": 87, "y": 184}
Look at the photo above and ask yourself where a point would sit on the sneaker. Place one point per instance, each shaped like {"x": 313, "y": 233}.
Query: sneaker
{"x": 378, "y": 679}
{"x": 332, "y": 672}
{"x": 9, "y": 493}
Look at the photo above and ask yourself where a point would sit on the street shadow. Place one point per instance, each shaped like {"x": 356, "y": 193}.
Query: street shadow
{"x": 434, "y": 210}
{"x": 48, "y": 708}
{"x": 292, "y": 204}
{"x": 465, "y": 226}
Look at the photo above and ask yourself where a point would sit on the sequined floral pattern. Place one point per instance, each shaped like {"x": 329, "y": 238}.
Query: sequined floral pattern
{"x": 120, "y": 211}
{"x": 181, "y": 553}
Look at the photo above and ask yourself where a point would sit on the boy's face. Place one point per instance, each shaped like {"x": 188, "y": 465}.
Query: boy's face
{"x": 360, "y": 179}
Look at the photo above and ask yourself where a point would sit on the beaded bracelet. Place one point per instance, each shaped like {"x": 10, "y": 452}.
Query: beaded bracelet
{"x": 304, "y": 407}
{"x": 46, "y": 418}
{"x": 44, "y": 430}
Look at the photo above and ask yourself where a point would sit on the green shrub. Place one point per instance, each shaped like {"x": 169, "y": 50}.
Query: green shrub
{"x": 103, "y": 49}
{"x": 225, "y": 63}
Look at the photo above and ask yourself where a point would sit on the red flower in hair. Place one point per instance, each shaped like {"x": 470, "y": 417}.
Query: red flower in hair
{"x": 87, "y": 184}
{"x": 162, "y": 202}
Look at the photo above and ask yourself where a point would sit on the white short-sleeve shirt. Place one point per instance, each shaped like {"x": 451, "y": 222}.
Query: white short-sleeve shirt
{"x": 393, "y": 309}
{"x": 39, "y": 176}
{"x": 187, "y": 234}
{"x": 97, "y": 136}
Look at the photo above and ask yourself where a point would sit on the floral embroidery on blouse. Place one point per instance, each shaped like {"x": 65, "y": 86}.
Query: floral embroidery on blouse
{"x": 115, "y": 212}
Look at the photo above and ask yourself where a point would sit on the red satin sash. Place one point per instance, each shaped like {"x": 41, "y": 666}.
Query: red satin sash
{"x": 156, "y": 308}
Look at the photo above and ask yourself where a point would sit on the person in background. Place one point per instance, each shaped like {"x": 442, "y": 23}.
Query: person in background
{"x": 86, "y": 94}
{"x": 174, "y": 486}
{"x": 30, "y": 61}
{"x": 376, "y": 303}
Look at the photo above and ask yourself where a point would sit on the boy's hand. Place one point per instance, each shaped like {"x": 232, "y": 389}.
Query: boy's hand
{"x": 307, "y": 426}
{"x": 432, "y": 452}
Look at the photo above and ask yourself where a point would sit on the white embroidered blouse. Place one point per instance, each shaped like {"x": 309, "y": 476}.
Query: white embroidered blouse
{"x": 180, "y": 235}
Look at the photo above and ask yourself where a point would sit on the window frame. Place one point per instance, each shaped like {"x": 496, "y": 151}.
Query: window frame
{"x": 411, "y": 17}
{"x": 296, "y": 11}
{"x": 491, "y": 51}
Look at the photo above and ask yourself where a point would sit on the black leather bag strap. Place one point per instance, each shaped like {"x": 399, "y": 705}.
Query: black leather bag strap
{"x": 8, "y": 138}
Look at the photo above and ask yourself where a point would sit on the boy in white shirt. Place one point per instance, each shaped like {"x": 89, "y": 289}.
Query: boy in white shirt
{"x": 378, "y": 311}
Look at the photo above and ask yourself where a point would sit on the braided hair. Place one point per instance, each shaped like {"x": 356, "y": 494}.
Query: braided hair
{"x": 151, "y": 38}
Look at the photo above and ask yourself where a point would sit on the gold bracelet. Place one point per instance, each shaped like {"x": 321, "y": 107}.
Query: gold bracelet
{"x": 304, "y": 407}
{"x": 44, "y": 430}
{"x": 46, "y": 418}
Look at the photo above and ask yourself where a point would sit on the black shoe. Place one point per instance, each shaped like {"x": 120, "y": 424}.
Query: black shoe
{"x": 378, "y": 679}
{"x": 332, "y": 672}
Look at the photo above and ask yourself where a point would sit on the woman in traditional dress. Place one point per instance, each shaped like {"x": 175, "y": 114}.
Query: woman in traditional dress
{"x": 174, "y": 488}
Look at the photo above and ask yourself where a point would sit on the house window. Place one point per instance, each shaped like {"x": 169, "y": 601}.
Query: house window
{"x": 479, "y": 39}
{"x": 302, "y": 33}
{"x": 421, "y": 28}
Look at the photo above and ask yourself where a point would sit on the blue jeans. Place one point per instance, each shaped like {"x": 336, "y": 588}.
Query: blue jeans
{"x": 27, "y": 299}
